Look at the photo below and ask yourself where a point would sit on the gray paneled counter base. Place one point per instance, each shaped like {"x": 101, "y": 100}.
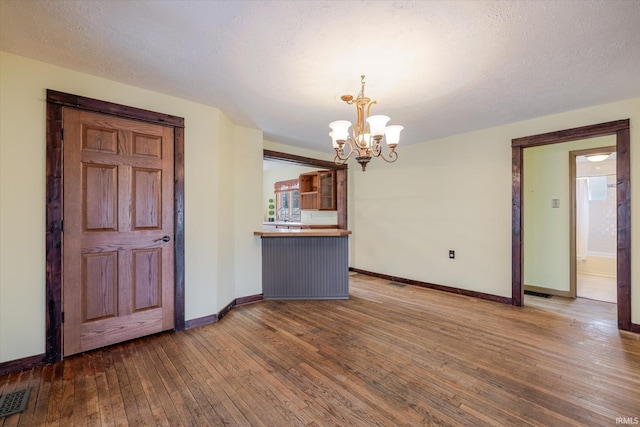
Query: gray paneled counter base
{"x": 312, "y": 265}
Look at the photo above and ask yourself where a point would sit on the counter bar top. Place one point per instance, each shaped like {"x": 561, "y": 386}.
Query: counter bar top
{"x": 289, "y": 232}
{"x": 291, "y": 224}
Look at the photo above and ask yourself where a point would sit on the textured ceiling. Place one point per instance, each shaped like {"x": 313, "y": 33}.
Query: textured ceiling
{"x": 437, "y": 67}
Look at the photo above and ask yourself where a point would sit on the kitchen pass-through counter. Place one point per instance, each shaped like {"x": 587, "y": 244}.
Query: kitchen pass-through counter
{"x": 294, "y": 225}
{"x": 305, "y": 263}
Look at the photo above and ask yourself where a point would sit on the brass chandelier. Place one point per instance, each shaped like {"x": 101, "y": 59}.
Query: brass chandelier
{"x": 365, "y": 140}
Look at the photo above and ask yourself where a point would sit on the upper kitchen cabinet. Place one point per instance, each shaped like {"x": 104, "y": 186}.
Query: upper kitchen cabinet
{"x": 327, "y": 191}
{"x": 318, "y": 190}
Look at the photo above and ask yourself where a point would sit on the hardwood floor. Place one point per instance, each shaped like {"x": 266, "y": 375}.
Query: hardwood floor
{"x": 390, "y": 355}
{"x": 599, "y": 288}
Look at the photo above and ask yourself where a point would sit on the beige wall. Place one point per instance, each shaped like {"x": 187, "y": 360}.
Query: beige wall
{"x": 220, "y": 158}
{"x": 455, "y": 193}
{"x": 546, "y": 229}
{"x": 247, "y": 211}
{"x": 448, "y": 194}
{"x": 305, "y": 152}
{"x": 451, "y": 193}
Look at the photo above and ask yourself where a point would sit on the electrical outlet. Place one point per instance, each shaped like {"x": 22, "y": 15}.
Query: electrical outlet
{"x": 452, "y": 254}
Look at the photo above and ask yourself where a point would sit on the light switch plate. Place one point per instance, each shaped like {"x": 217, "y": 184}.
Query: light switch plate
{"x": 555, "y": 203}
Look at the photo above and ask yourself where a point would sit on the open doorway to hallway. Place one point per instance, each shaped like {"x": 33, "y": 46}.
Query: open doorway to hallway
{"x": 621, "y": 130}
{"x": 558, "y": 179}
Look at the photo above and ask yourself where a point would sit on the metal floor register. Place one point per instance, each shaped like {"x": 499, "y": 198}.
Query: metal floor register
{"x": 12, "y": 403}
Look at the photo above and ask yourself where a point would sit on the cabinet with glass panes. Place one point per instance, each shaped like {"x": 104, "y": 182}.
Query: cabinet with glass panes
{"x": 318, "y": 190}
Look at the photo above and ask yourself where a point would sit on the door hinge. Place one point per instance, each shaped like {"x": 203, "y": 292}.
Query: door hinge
{"x": 62, "y": 134}
{"x": 63, "y": 317}
{"x": 62, "y": 226}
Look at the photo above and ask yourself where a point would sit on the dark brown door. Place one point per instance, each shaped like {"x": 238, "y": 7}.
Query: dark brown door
{"x": 118, "y": 272}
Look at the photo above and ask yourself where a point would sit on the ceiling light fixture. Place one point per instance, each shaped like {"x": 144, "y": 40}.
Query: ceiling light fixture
{"x": 598, "y": 157}
{"x": 366, "y": 138}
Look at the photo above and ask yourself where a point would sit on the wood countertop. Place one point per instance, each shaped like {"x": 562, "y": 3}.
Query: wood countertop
{"x": 292, "y": 224}
{"x": 304, "y": 232}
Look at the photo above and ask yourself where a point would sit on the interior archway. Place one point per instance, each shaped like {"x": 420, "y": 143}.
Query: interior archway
{"x": 341, "y": 177}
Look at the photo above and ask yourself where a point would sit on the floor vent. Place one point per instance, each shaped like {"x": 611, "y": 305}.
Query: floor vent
{"x": 400, "y": 285}
{"x": 15, "y": 402}
{"x": 538, "y": 294}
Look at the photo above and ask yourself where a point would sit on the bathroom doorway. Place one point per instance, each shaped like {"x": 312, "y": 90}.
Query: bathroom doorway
{"x": 593, "y": 224}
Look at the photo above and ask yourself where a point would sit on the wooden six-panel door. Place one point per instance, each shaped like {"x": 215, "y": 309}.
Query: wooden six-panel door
{"x": 118, "y": 272}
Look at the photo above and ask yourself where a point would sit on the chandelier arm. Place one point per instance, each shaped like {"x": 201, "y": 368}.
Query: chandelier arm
{"x": 355, "y": 138}
{"x": 391, "y": 157}
{"x": 340, "y": 151}
{"x": 369, "y": 107}
{"x": 360, "y": 125}
{"x": 339, "y": 160}
{"x": 376, "y": 149}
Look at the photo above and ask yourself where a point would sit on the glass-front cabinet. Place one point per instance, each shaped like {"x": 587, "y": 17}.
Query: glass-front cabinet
{"x": 326, "y": 192}
{"x": 318, "y": 190}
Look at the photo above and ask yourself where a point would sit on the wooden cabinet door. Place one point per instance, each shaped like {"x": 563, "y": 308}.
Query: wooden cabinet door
{"x": 118, "y": 272}
{"x": 327, "y": 190}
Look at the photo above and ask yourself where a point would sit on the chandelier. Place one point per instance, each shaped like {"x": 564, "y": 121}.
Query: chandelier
{"x": 365, "y": 141}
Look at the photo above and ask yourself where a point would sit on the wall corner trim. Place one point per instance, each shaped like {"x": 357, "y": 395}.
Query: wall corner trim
{"x": 213, "y": 318}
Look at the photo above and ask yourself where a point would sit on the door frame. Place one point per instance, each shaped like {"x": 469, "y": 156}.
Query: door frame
{"x": 56, "y": 101}
{"x": 573, "y": 212}
{"x": 619, "y": 128}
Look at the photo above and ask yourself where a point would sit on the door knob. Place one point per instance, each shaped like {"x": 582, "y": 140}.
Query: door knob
{"x": 164, "y": 239}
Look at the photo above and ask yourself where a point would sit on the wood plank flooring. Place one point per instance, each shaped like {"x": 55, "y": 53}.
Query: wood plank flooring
{"x": 599, "y": 288}
{"x": 389, "y": 356}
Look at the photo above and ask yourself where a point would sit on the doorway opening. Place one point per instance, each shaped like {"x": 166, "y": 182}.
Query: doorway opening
{"x": 340, "y": 177}
{"x": 620, "y": 129}
{"x": 593, "y": 224}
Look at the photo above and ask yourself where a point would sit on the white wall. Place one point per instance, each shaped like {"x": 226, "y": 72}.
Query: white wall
{"x": 546, "y": 229}
{"x": 455, "y": 193}
{"x": 213, "y": 274}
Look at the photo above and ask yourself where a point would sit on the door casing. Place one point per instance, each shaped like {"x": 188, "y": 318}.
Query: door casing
{"x": 620, "y": 128}
{"x": 573, "y": 212}
{"x": 54, "y": 191}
